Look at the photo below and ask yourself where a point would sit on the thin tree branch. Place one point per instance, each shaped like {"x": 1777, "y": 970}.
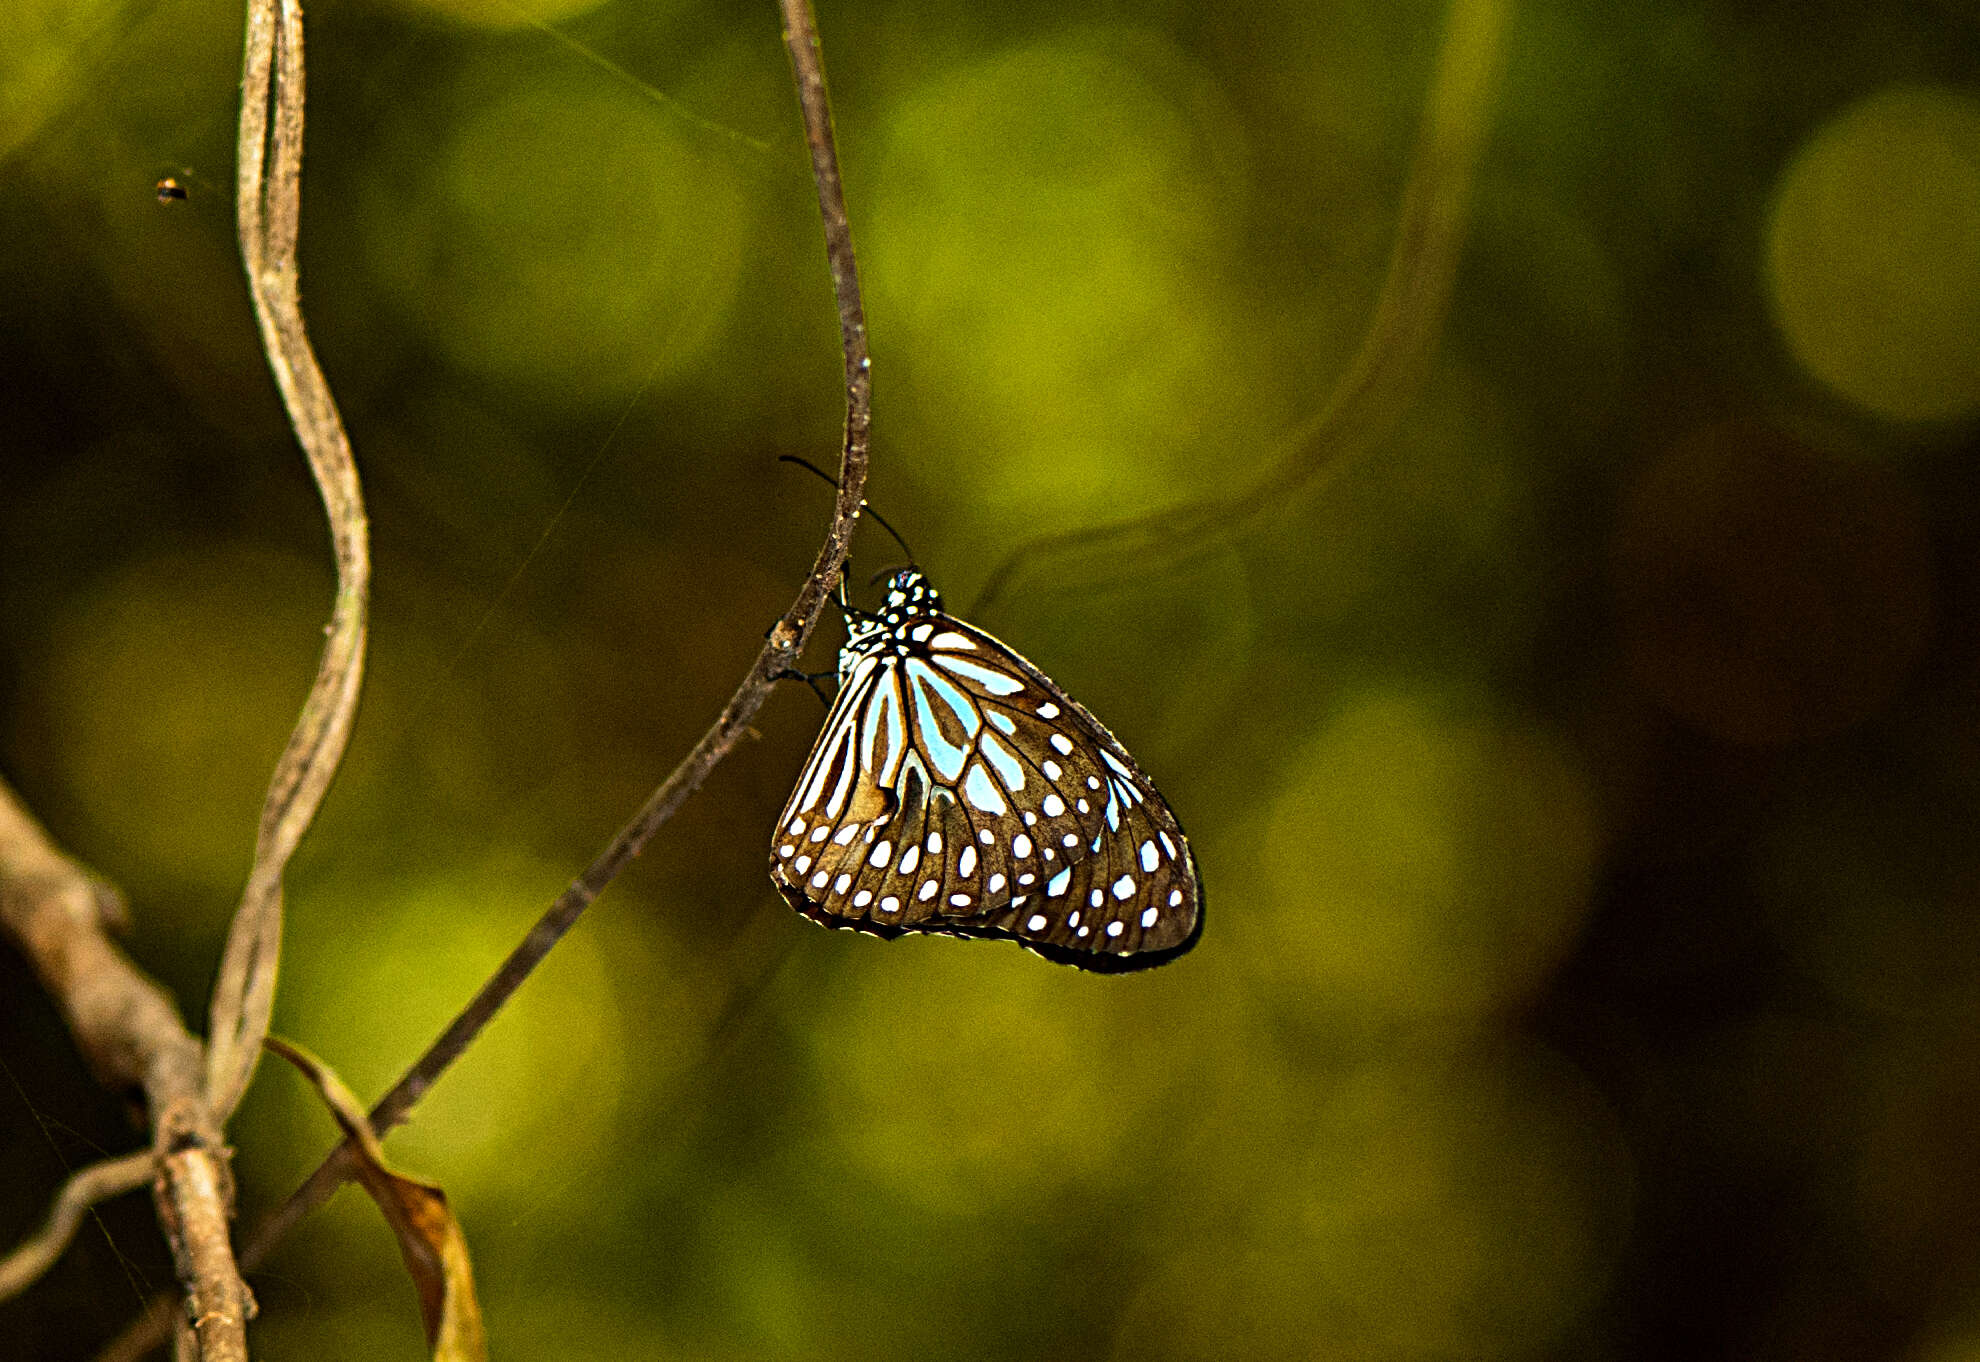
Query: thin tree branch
{"x": 194, "y": 1195}
{"x": 1384, "y": 374}
{"x": 130, "y": 1032}
{"x": 192, "y": 1091}
{"x": 784, "y": 645}
{"x": 269, "y": 208}
{"x": 84, "y": 1189}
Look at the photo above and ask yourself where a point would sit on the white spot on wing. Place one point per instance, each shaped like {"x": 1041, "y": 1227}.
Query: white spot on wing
{"x": 1062, "y": 744}
{"x": 1148, "y": 861}
{"x": 1148, "y": 916}
{"x": 1124, "y": 887}
{"x": 1036, "y": 923}
{"x": 1053, "y": 806}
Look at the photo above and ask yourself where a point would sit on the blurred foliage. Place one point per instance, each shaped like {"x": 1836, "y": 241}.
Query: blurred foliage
{"x": 1587, "y": 786}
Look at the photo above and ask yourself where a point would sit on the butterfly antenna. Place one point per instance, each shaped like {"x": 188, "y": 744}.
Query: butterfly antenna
{"x": 864, "y": 505}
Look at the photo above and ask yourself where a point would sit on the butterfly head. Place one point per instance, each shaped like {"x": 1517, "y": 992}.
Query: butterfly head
{"x": 909, "y": 593}
{"x": 909, "y": 597}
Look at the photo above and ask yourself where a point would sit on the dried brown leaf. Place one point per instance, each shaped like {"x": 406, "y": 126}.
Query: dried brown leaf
{"x": 429, "y": 1237}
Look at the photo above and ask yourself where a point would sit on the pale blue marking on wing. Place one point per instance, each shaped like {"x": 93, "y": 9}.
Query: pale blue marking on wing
{"x": 928, "y": 690}
{"x": 1008, "y": 768}
{"x": 847, "y": 769}
{"x": 883, "y": 709}
{"x": 996, "y": 682}
{"x": 981, "y": 792}
{"x": 840, "y": 726}
{"x": 959, "y": 704}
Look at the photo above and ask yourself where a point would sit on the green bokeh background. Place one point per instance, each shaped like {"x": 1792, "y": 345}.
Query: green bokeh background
{"x": 1587, "y": 784}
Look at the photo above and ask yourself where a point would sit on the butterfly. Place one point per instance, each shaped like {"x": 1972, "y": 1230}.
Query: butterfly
{"x": 956, "y": 789}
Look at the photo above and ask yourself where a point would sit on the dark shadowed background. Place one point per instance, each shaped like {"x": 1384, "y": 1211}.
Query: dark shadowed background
{"x": 1586, "y": 783}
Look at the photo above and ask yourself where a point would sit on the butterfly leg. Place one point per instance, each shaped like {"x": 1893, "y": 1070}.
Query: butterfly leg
{"x": 810, "y": 679}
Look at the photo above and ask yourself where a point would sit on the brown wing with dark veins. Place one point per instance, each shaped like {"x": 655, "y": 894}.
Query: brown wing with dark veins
{"x": 955, "y": 788}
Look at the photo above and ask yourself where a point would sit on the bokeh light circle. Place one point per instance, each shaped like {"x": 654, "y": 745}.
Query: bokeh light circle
{"x": 1048, "y": 245}
{"x": 557, "y": 237}
{"x": 1873, "y": 254}
{"x": 171, "y": 689}
{"x": 374, "y": 969}
{"x": 973, "y": 1077}
{"x": 42, "y": 61}
{"x": 1420, "y": 862}
{"x": 1448, "y": 1205}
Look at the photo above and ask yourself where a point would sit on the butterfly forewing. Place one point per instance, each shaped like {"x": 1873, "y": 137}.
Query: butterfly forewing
{"x": 955, "y": 788}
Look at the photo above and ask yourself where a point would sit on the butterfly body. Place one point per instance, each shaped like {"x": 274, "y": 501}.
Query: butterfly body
{"x": 956, "y": 789}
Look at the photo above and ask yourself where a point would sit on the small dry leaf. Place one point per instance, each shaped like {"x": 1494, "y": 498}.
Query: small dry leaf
{"x": 434, "y": 1248}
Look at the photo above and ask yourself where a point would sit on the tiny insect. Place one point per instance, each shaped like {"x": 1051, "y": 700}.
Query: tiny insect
{"x": 170, "y": 190}
{"x": 956, "y": 789}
